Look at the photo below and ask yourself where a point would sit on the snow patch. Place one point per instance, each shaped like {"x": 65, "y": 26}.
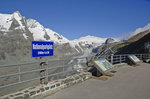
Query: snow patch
{"x": 91, "y": 40}
{"x": 39, "y": 33}
{"x": 7, "y": 19}
{"x": 86, "y": 41}
{"x": 36, "y": 29}
{"x": 5, "y": 34}
{"x": 25, "y": 36}
{"x": 56, "y": 37}
{"x": 5, "y": 22}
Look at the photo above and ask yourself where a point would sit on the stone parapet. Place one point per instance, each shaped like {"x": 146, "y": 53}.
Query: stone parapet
{"x": 42, "y": 91}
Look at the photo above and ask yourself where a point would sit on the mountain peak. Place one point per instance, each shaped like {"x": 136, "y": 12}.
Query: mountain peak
{"x": 17, "y": 15}
{"x": 90, "y": 38}
{"x": 17, "y": 12}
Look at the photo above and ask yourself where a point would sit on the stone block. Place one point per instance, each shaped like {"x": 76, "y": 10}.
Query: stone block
{"x": 61, "y": 82}
{"x": 53, "y": 86}
{"x": 46, "y": 88}
{"x": 32, "y": 93}
{"x": 42, "y": 89}
{"x": 57, "y": 85}
{"x": 26, "y": 96}
{"x": 38, "y": 91}
{"x": 19, "y": 97}
{"x": 84, "y": 77}
{"x": 67, "y": 84}
{"x": 11, "y": 96}
{"x": 6, "y": 98}
{"x": 76, "y": 78}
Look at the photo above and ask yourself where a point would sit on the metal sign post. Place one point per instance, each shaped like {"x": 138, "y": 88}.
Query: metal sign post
{"x": 42, "y": 49}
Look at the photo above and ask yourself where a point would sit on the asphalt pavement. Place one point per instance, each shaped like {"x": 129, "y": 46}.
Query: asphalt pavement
{"x": 127, "y": 83}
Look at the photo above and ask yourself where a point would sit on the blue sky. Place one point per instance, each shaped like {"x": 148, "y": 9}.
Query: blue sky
{"x": 76, "y": 18}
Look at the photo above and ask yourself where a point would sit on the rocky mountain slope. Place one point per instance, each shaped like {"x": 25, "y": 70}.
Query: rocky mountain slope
{"x": 105, "y": 49}
{"x": 134, "y": 44}
{"x": 17, "y": 32}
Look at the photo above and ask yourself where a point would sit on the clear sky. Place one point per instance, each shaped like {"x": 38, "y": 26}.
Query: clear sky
{"x": 77, "y": 18}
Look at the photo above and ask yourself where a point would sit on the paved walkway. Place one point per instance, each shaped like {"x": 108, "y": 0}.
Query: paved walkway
{"x": 128, "y": 83}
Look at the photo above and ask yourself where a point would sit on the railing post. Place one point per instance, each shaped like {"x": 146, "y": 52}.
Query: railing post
{"x": 64, "y": 68}
{"x": 86, "y": 64}
{"x": 19, "y": 70}
{"x": 63, "y": 65}
{"x": 78, "y": 69}
{"x": 120, "y": 58}
{"x": 111, "y": 58}
{"x": 46, "y": 73}
{"x": 141, "y": 56}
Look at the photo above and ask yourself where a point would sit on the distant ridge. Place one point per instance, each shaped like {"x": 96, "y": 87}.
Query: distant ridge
{"x": 134, "y": 45}
{"x": 138, "y": 36}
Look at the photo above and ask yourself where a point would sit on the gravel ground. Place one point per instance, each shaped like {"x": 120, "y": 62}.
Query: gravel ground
{"x": 128, "y": 83}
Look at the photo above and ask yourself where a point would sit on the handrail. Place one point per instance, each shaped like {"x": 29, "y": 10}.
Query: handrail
{"x": 61, "y": 67}
{"x": 36, "y": 70}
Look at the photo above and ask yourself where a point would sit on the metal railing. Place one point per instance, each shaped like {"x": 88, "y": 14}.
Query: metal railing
{"x": 123, "y": 58}
{"x": 44, "y": 71}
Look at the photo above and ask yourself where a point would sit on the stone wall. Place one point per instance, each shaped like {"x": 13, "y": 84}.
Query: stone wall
{"x": 42, "y": 91}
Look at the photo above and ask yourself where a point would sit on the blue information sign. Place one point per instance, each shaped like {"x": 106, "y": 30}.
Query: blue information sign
{"x": 42, "y": 48}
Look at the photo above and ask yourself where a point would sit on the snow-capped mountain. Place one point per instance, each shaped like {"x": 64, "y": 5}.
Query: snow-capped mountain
{"x": 41, "y": 33}
{"x": 89, "y": 40}
{"x": 18, "y": 32}
{"x": 6, "y": 21}
{"x": 56, "y": 37}
{"x": 17, "y": 21}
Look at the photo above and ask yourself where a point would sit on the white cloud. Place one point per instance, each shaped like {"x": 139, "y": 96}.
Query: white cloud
{"x": 126, "y": 36}
{"x": 138, "y": 30}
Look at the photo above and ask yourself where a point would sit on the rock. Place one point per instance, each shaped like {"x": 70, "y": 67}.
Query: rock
{"x": 26, "y": 96}
{"x": 109, "y": 40}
